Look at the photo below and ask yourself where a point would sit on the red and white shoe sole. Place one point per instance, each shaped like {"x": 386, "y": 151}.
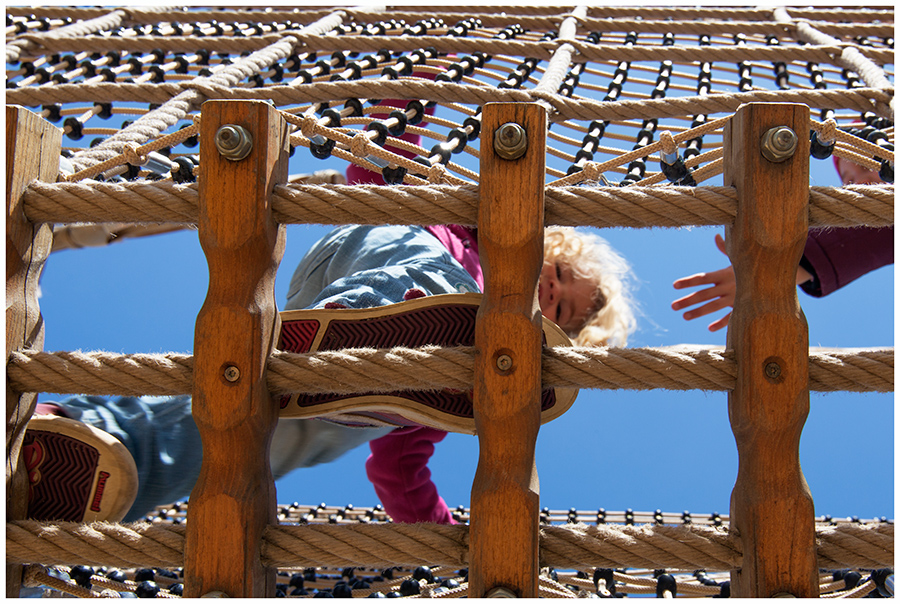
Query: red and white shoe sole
{"x": 444, "y": 320}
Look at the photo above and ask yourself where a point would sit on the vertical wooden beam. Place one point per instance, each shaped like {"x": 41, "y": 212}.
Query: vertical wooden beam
{"x": 32, "y": 152}
{"x": 234, "y": 498}
{"x": 503, "y": 536}
{"x": 771, "y": 506}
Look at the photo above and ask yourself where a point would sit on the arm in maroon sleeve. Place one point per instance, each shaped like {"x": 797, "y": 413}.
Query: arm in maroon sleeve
{"x": 835, "y": 257}
{"x": 398, "y": 468}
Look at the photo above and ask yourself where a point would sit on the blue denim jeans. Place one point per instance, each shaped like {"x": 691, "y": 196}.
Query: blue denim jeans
{"x": 356, "y": 266}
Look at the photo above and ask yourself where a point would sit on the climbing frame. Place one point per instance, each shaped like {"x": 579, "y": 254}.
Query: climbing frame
{"x": 602, "y": 95}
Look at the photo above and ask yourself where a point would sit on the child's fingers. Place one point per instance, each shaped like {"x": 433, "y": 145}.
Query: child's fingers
{"x": 694, "y": 280}
{"x": 696, "y": 298}
{"x": 720, "y": 243}
{"x": 719, "y": 323}
{"x": 708, "y": 308}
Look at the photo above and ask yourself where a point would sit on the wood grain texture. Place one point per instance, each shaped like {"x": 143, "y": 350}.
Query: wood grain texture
{"x": 32, "y": 152}
{"x": 771, "y": 505}
{"x": 234, "y": 497}
{"x": 505, "y": 499}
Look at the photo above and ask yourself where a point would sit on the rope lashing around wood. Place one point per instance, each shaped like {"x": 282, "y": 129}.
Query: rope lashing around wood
{"x": 430, "y": 367}
{"x": 637, "y": 207}
{"x": 684, "y": 547}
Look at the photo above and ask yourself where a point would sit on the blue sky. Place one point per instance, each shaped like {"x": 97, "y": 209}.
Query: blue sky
{"x": 614, "y": 449}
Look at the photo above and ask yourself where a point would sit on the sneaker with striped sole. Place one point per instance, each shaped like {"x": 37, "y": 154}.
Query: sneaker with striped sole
{"x": 442, "y": 320}
{"x": 76, "y": 473}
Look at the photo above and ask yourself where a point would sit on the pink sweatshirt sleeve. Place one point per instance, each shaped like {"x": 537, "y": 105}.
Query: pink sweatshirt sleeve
{"x": 398, "y": 468}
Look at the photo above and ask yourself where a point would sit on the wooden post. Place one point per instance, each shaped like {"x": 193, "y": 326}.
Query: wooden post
{"x": 234, "y": 498}
{"x": 32, "y": 152}
{"x": 503, "y": 536}
{"x": 771, "y": 506}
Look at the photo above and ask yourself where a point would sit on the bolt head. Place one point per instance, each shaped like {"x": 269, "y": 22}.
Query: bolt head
{"x": 773, "y": 370}
{"x": 504, "y": 362}
{"x": 779, "y": 144}
{"x": 233, "y": 142}
{"x": 510, "y": 141}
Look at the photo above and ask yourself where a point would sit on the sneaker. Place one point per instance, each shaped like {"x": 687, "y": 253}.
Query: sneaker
{"x": 76, "y": 473}
{"x": 443, "y": 320}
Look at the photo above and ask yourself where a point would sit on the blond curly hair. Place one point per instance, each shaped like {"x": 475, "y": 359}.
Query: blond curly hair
{"x": 590, "y": 257}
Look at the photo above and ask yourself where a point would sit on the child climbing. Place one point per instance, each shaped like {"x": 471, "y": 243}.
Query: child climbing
{"x": 583, "y": 287}
{"x": 831, "y": 259}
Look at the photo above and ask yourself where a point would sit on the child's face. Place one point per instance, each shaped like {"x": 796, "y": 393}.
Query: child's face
{"x": 565, "y": 299}
{"x": 854, "y": 174}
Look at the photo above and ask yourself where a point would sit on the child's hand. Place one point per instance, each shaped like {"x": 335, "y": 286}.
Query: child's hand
{"x": 720, "y": 294}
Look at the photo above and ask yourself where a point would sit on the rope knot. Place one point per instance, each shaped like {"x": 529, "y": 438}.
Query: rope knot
{"x": 669, "y": 146}
{"x": 436, "y": 174}
{"x": 130, "y": 152}
{"x": 590, "y": 171}
{"x": 829, "y": 131}
{"x": 308, "y": 126}
{"x": 33, "y": 576}
{"x": 359, "y": 145}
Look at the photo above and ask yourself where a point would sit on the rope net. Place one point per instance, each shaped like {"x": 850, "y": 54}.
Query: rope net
{"x": 637, "y": 99}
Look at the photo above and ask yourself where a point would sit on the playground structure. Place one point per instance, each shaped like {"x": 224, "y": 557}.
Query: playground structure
{"x": 602, "y": 96}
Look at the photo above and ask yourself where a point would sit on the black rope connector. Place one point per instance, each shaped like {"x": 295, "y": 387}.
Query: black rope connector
{"x": 400, "y": 128}
{"x": 105, "y": 110}
{"x": 666, "y": 583}
{"x": 382, "y": 131}
{"x": 606, "y": 574}
{"x": 182, "y": 170}
{"x": 393, "y": 176}
{"x": 323, "y": 150}
{"x": 74, "y": 128}
{"x": 817, "y": 148}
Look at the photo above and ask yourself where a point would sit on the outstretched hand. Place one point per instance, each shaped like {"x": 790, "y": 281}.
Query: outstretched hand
{"x": 719, "y": 295}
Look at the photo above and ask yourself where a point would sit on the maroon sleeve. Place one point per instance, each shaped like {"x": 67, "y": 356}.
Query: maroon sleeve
{"x": 398, "y": 469}
{"x": 835, "y": 257}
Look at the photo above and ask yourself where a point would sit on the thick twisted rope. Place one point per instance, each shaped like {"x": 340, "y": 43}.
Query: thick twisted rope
{"x": 149, "y": 15}
{"x": 637, "y": 207}
{"x": 858, "y": 99}
{"x": 357, "y": 370}
{"x": 818, "y": 53}
{"x": 683, "y": 547}
{"x": 30, "y": 43}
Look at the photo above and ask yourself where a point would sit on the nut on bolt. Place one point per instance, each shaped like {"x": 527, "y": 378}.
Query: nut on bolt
{"x": 232, "y": 373}
{"x": 510, "y": 141}
{"x": 778, "y": 144}
{"x": 234, "y": 142}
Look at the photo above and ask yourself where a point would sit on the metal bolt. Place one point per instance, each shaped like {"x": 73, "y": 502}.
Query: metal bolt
{"x": 500, "y": 592}
{"x": 234, "y": 142}
{"x": 232, "y": 373}
{"x": 215, "y": 594}
{"x": 510, "y": 141}
{"x": 504, "y": 362}
{"x": 773, "y": 370}
{"x": 779, "y": 144}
